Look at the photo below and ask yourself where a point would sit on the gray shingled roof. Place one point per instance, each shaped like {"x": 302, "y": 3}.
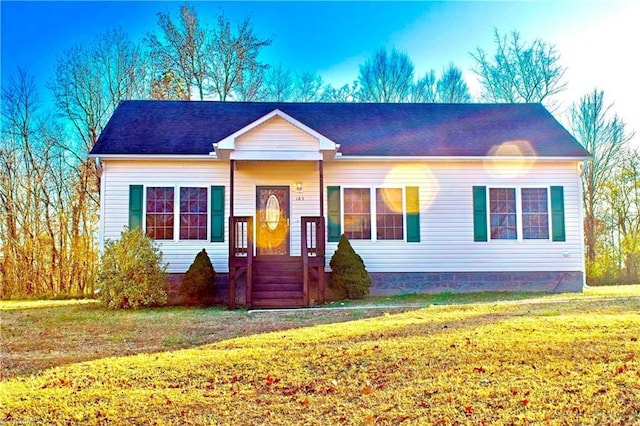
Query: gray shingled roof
{"x": 362, "y": 129}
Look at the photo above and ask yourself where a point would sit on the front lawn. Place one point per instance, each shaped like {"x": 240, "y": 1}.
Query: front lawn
{"x": 37, "y": 335}
{"x": 563, "y": 359}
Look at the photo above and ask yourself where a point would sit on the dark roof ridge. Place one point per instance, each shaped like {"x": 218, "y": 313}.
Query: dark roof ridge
{"x": 150, "y": 127}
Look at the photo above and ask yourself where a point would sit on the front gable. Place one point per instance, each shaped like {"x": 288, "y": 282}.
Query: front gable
{"x": 276, "y": 136}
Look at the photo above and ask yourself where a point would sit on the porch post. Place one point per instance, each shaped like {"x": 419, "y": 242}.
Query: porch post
{"x": 232, "y": 242}
{"x": 231, "y": 167}
{"x": 321, "y": 170}
{"x": 322, "y": 236}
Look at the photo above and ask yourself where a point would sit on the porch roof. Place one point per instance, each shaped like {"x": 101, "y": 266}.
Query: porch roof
{"x": 360, "y": 129}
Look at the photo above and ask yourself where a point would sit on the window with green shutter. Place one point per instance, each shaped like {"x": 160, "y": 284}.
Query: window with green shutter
{"x": 217, "y": 214}
{"x": 557, "y": 213}
{"x": 531, "y": 222}
{"x": 413, "y": 214}
{"x": 135, "y": 206}
{"x": 480, "y": 213}
{"x": 334, "y": 227}
{"x": 160, "y": 212}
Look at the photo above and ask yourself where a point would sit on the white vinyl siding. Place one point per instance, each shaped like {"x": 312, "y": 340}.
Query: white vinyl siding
{"x": 276, "y": 139}
{"x": 445, "y": 199}
{"x": 446, "y": 216}
{"x": 176, "y": 174}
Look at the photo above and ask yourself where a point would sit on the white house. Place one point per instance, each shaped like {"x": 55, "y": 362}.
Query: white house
{"x": 434, "y": 197}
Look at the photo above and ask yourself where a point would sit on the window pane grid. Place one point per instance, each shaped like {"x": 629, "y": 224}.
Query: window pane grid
{"x": 389, "y": 214}
{"x": 193, "y": 213}
{"x": 159, "y": 216}
{"x": 357, "y": 213}
{"x": 535, "y": 217}
{"x": 502, "y": 203}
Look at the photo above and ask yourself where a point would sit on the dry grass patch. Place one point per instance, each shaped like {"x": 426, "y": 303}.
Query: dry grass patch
{"x": 570, "y": 360}
{"x": 37, "y": 335}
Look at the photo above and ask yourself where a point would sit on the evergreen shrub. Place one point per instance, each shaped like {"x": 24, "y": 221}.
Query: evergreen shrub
{"x": 349, "y": 277}
{"x": 198, "y": 283}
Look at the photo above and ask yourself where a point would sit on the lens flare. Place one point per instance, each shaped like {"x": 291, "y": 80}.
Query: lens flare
{"x": 392, "y": 198}
{"x": 411, "y": 175}
{"x": 510, "y": 159}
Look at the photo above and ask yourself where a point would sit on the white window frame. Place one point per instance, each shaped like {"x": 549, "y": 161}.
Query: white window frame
{"x": 144, "y": 210}
{"x": 176, "y": 211}
{"x": 374, "y": 212}
{"x": 519, "y": 218}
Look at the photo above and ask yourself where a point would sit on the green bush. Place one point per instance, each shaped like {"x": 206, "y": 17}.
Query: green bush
{"x": 349, "y": 276}
{"x": 132, "y": 273}
{"x": 198, "y": 283}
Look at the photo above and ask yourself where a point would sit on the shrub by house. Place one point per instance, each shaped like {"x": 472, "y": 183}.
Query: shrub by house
{"x": 198, "y": 284}
{"x": 132, "y": 273}
{"x": 349, "y": 277}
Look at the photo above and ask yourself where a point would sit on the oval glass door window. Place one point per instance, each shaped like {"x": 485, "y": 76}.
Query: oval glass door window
{"x": 272, "y": 212}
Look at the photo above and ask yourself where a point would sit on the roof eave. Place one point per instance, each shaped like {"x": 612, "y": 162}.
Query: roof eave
{"x": 448, "y": 158}
{"x": 181, "y": 157}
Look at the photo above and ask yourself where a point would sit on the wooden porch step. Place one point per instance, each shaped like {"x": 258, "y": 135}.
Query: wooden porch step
{"x": 276, "y": 265}
{"x": 267, "y": 295}
{"x": 278, "y": 303}
{"x": 282, "y": 278}
{"x": 278, "y": 286}
{"x": 277, "y": 282}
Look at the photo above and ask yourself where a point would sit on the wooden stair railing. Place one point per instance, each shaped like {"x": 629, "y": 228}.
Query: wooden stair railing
{"x": 240, "y": 255}
{"x": 312, "y": 240}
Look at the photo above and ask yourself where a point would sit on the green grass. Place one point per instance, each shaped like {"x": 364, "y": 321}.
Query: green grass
{"x": 550, "y": 360}
{"x": 37, "y": 335}
{"x": 447, "y": 298}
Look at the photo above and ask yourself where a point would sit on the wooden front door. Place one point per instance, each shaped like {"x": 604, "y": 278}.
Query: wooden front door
{"x": 272, "y": 212}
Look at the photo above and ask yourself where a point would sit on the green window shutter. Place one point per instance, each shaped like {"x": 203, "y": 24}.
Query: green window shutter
{"x": 333, "y": 206}
{"x": 557, "y": 213}
{"x": 480, "y": 213}
{"x": 217, "y": 214}
{"x": 135, "y": 206}
{"x": 413, "y": 215}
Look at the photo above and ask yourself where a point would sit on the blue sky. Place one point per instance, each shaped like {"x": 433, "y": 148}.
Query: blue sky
{"x": 597, "y": 40}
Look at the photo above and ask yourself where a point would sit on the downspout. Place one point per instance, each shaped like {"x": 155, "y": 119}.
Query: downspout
{"x": 581, "y": 168}
{"x": 103, "y": 185}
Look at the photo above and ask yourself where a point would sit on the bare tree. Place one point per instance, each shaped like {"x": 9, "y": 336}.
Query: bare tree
{"x": 90, "y": 81}
{"x": 603, "y": 134}
{"x": 167, "y": 86}
{"x": 88, "y": 84}
{"x": 424, "y": 90}
{"x": 346, "y": 93}
{"x": 37, "y": 203}
{"x": 19, "y": 106}
{"x": 279, "y": 84}
{"x": 451, "y": 87}
{"x": 386, "y": 77}
{"x": 122, "y": 65}
{"x": 181, "y": 49}
{"x": 77, "y": 88}
{"x": 307, "y": 87}
{"x": 233, "y": 57}
{"x": 250, "y": 86}
{"x": 621, "y": 196}
{"x": 519, "y": 72}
